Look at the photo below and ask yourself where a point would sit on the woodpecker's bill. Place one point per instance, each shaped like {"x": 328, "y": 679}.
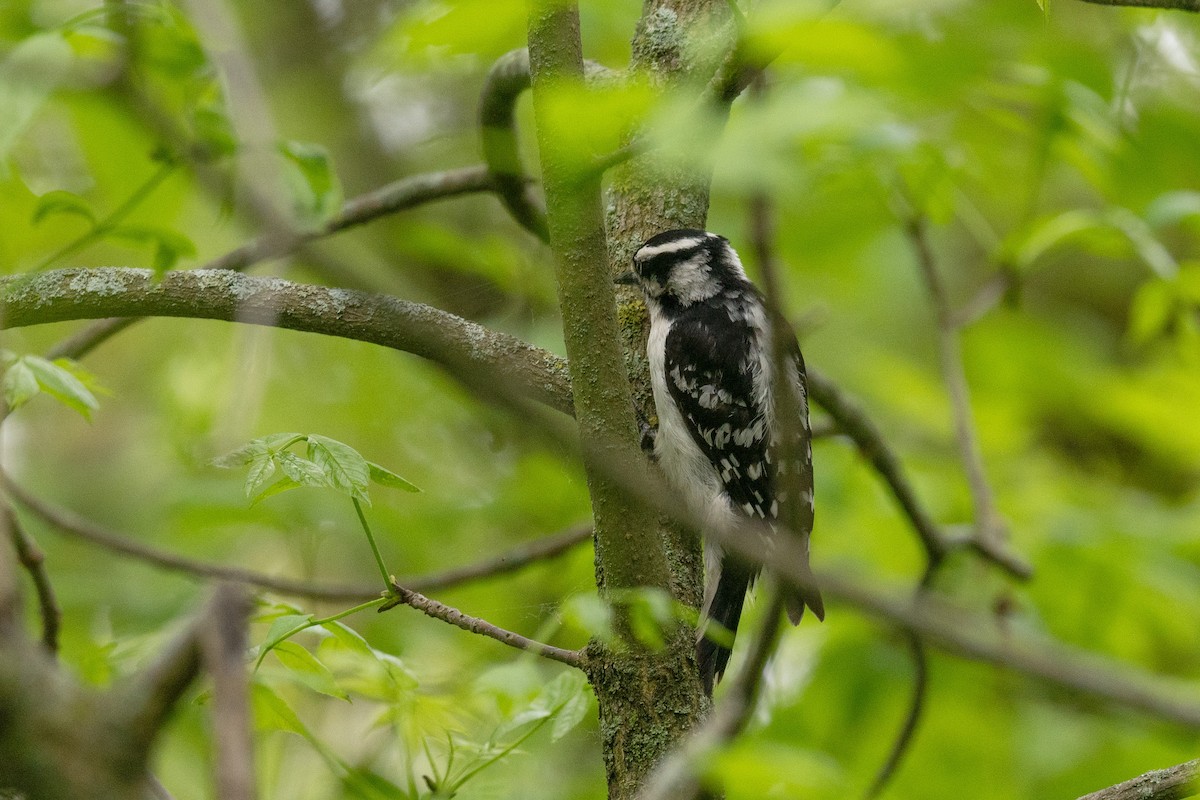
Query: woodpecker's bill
{"x": 712, "y": 373}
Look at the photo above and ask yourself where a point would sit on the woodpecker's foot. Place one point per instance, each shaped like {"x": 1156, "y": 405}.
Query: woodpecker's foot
{"x": 647, "y": 434}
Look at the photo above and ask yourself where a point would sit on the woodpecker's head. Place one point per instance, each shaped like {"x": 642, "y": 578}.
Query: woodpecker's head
{"x": 682, "y": 267}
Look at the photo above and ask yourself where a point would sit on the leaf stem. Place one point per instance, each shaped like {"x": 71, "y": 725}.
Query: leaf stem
{"x": 109, "y": 223}
{"x": 378, "y": 601}
{"x": 383, "y": 570}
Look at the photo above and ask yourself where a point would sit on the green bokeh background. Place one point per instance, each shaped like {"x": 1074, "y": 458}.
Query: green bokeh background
{"x": 1053, "y": 148}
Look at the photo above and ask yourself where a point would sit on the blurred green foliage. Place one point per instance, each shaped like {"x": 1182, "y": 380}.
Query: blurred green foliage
{"x": 1051, "y": 146}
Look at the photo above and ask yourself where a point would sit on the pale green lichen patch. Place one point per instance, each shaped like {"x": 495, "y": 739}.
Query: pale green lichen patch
{"x": 105, "y": 282}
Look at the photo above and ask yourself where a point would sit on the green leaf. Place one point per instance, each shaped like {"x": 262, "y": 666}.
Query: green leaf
{"x": 570, "y": 715}
{"x": 346, "y": 638}
{"x": 215, "y": 136}
{"x": 280, "y": 486}
{"x": 262, "y": 467}
{"x": 385, "y": 477}
{"x": 1030, "y": 244}
{"x": 1144, "y": 242}
{"x": 301, "y": 470}
{"x": 308, "y": 670}
{"x": 1189, "y": 282}
{"x": 57, "y": 380}
{"x": 62, "y": 202}
{"x": 281, "y": 629}
{"x": 316, "y": 190}
{"x": 20, "y": 385}
{"x": 361, "y": 783}
{"x": 343, "y": 467}
{"x": 568, "y": 696}
{"x": 591, "y": 614}
{"x": 242, "y": 456}
{"x": 272, "y": 713}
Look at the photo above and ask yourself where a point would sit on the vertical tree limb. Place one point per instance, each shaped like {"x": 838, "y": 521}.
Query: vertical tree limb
{"x": 223, "y": 640}
{"x": 646, "y": 699}
{"x": 627, "y": 553}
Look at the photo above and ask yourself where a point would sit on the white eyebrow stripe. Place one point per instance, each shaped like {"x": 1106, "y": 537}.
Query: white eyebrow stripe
{"x": 647, "y": 252}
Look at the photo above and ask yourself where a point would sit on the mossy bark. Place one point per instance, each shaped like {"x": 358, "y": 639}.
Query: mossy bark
{"x": 648, "y": 700}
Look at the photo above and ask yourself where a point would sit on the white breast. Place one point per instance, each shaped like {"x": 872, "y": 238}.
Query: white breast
{"x": 685, "y": 466}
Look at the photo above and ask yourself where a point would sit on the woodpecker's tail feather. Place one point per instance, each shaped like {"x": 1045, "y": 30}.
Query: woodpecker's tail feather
{"x": 805, "y": 594}
{"x": 720, "y": 621}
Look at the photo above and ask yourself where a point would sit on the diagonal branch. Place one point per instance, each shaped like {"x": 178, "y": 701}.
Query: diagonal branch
{"x": 71, "y": 294}
{"x": 1172, "y": 783}
{"x": 452, "y": 616}
{"x": 862, "y": 430}
{"x": 75, "y": 525}
{"x": 147, "y": 698}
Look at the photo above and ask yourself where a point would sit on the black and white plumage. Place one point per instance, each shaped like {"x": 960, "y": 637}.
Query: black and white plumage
{"x": 712, "y": 374}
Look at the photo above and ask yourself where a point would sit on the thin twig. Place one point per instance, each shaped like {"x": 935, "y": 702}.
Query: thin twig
{"x": 75, "y": 525}
{"x": 989, "y": 526}
{"x": 396, "y": 196}
{"x": 908, "y": 728}
{"x": 862, "y": 430}
{"x": 224, "y": 646}
{"x": 1172, "y": 783}
{"x": 540, "y": 549}
{"x": 33, "y": 560}
{"x": 452, "y": 616}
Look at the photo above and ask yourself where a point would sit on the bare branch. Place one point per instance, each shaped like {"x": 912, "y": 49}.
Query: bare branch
{"x": 1178, "y": 5}
{"x": 989, "y": 526}
{"x": 1172, "y": 783}
{"x": 75, "y": 525}
{"x": 540, "y": 549}
{"x": 220, "y": 294}
{"x": 397, "y": 196}
{"x": 506, "y": 81}
{"x": 32, "y": 559}
{"x": 908, "y": 728}
{"x": 223, "y": 642}
{"x": 432, "y": 608}
{"x": 853, "y": 422}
